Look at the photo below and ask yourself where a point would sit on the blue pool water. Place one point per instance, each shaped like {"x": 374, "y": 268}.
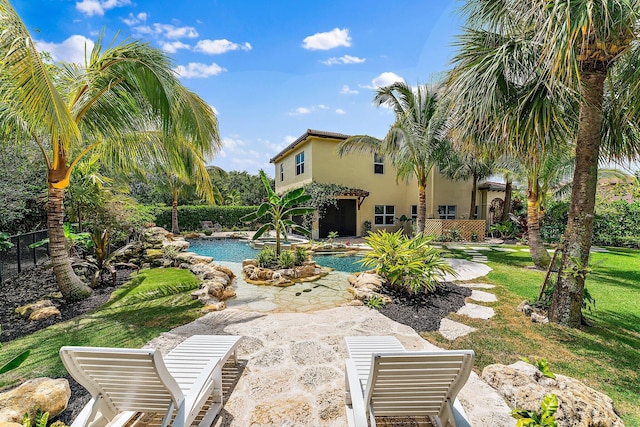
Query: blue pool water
{"x": 237, "y": 250}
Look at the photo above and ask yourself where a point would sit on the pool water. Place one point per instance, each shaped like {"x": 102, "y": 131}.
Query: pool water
{"x": 235, "y": 250}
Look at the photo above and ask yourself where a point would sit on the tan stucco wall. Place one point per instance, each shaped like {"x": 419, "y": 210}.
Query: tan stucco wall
{"x": 356, "y": 171}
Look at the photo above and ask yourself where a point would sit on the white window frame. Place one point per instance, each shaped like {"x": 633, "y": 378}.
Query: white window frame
{"x": 388, "y": 213}
{"x": 447, "y": 211}
{"x": 378, "y": 162}
{"x": 300, "y": 163}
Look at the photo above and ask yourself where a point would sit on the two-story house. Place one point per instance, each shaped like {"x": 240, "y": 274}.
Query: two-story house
{"x": 375, "y": 195}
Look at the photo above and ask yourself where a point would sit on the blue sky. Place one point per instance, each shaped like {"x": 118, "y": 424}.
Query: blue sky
{"x": 271, "y": 69}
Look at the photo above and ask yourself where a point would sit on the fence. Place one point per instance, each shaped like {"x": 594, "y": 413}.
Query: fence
{"x": 466, "y": 228}
{"x": 21, "y": 256}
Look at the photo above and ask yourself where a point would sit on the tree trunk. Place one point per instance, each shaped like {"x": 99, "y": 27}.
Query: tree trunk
{"x": 506, "y": 208}
{"x": 422, "y": 206}
{"x": 566, "y": 305}
{"x": 72, "y": 288}
{"x": 175, "y": 229}
{"x": 474, "y": 189}
{"x": 79, "y": 219}
{"x": 539, "y": 254}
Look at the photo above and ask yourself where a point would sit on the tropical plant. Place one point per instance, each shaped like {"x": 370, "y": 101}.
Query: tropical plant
{"x": 14, "y": 362}
{"x": 286, "y": 259}
{"x": 266, "y": 257}
{"x": 366, "y": 228}
{"x": 542, "y": 418}
{"x": 5, "y": 241}
{"x": 584, "y": 55}
{"x": 278, "y": 210}
{"x": 301, "y": 255}
{"x": 332, "y": 236}
{"x": 410, "y": 264}
{"x": 413, "y": 143}
{"x": 542, "y": 365}
{"x": 74, "y": 242}
{"x": 40, "y": 420}
{"x": 124, "y": 102}
{"x": 374, "y": 302}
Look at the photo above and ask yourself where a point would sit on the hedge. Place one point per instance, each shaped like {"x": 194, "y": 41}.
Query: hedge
{"x": 191, "y": 217}
{"x": 615, "y": 223}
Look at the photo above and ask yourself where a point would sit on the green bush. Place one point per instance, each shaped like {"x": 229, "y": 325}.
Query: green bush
{"x": 301, "y": 255}
{"x": 286, "y": 259}
{"x": 266, "y": 257}
{"x": 410, "y": 264}
{"x": 191, "y": 217}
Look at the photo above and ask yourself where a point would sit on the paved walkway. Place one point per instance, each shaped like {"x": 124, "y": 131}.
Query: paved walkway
{"x": 292, "y": 366}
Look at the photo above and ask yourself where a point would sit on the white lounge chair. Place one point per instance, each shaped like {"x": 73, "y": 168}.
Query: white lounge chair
{"x": 123, "y": 382}
{"x": 385, "y": 380}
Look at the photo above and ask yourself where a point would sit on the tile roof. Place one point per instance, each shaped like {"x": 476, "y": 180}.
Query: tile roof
{"x": 304, "y": 137}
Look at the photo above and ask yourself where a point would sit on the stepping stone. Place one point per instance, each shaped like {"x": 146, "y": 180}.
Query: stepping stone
{"x": 480, "y": 248}
{"x": 466, "y": 270}
{"x": 477, "y": 285}
{"x": 476, "y": 311}
{"x": 504, "y": 249}
{"x": 597, "y": 249}
{"x": 483, "y": 296}
{"x": 457, "y": 247}
{"x": 451, "y": 329}
{"x": 525, "y": 250}
{"x": 479, "y": 259}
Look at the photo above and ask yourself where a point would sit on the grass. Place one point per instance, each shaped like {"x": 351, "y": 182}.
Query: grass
{"x": 604, "y": 356}
{"x": 154, "y": 301}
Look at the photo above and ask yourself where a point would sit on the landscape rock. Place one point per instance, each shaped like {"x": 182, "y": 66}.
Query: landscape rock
{"x": 523, "y": 386}
{"x": 27, "y": 309}
{"x": 47, "y": 394}
{"x": 539, "y": 318}
{"x": 366, "y": 285}
{"x": 44, "y": 313}
{"x": 525, "y": 307}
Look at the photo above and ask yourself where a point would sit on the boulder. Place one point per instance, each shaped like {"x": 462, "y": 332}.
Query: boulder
{"x": 225, "y": 270}
{"x": 27, "y": 309}
{"x": 180, "y": 245}
{"x": 214, "y": 306}
{"x": 523, "y": 386}
{"x": 46, "y": 394}
{"x": 249, "y": 262}
{"x": 306, "y": 271}
{"x": 44, "y": 313}
{"x": 539, "y": 318}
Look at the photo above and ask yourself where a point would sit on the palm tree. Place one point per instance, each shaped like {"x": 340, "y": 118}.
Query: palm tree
{"x": 109, "y": 105}
{"x": 582, "y": 46}
{"x": 412, "y": 142}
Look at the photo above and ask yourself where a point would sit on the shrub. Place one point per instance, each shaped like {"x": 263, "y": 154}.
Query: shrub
{"x": 366, "y": 228}
{"x": 191, "y": 217}
{"x": 374, "y": 301}
{"x": 410, "y": 264}
{"x": 301, "y": 255}
{"x": 474, "y": 237}
{"x": 266, "y": 257}
{"x": 286, "y": 259}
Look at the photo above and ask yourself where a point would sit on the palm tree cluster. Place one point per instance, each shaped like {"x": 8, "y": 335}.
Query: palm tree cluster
{"x": 538, "y": 90}
{"x": 124, "y": 105}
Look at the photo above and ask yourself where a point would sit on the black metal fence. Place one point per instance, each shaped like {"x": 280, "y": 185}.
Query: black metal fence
{"x": 21, "y": 256}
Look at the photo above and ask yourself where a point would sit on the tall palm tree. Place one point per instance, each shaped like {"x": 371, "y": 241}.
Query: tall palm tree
{"x": 412, "y": 143}
{"x": 109, "y": 104}
{"x": 583, "y": 45}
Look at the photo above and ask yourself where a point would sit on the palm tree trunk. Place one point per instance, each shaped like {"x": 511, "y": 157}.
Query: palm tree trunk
{"x": 474, "y": 188}
{"x": 566, "y": 305}
{"x": 422, "y": 207}
{"x": 72, "y": 288}
{"x": 175, "y": 229}
{"x": 506, "y": 208}
{"x": 539, "y": 254}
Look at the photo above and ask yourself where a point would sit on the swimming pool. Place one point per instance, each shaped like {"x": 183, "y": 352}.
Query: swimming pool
{"x": 236, "y": 250}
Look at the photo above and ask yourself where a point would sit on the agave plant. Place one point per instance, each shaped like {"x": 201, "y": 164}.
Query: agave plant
{"x": 279, "y": 210}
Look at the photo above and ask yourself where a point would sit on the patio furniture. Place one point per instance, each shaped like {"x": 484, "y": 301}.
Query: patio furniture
{"x": 385, "y": 380}
{"x": 123, "y": 382}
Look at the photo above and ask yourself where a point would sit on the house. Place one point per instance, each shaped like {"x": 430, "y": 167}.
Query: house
{"x": 374, "y": 196}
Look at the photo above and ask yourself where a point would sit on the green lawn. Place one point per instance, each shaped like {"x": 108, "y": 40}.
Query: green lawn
{"x": 153, "y": 302}
{"x": 605, "y": 356}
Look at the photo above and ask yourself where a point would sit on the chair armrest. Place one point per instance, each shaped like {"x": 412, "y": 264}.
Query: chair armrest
{"x": 459, "y": 415}
{"x": 354, "y": 389}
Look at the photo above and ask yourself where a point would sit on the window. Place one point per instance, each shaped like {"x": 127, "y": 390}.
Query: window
{"x": 447, "y": 211}
{"x": 300, "y": 163}
{"x": 414, "y": 212}
{"x": 378, "y": 164}
{"x": 475, "y": 213}
{"x": 281, "y": 172}
{"x": 384, "y": 215}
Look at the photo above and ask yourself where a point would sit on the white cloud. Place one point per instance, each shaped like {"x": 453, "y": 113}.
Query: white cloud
{"x": 233, "y": 143}
{"x": 323, "y": 107}
{"x": 289, "y": 139}
{"x": 216, "y": 47}
{"x": 167, "y": 31}
{"x": 132, "y": 19}
{"x": 346, "y": 90}
{"x": 340, "y": 111}
{"x": 98, "y": 7}
{"x": 346, "y": 59}
{"x": 173, "y": 47}
{"x": 328, "y": 40}
{"x": 307, "y": 110}
{"x": 70, "y": 50}
{"x": 384, "y": 79}
{"x": 198, "y": 70}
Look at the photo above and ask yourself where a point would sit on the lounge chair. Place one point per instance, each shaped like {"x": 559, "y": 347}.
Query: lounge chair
{"x": 385, "y": 380}
{"x": 123, "y": 381}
